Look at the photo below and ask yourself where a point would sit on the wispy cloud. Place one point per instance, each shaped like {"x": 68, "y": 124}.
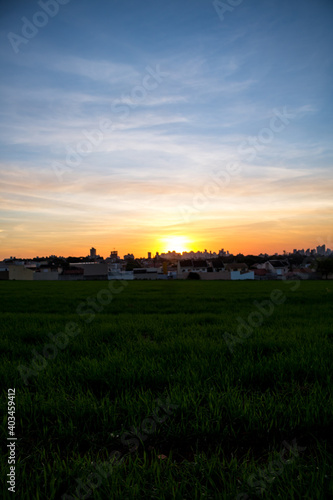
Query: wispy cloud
{"x": 222, "y": 88}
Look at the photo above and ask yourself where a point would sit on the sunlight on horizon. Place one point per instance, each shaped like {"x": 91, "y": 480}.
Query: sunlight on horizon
{"x": 178, "y": 244}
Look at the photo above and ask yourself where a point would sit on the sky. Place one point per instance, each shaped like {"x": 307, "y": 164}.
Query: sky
{"x": 154, "y": 126}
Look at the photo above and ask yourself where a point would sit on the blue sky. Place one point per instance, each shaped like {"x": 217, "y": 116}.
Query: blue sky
{"x": 222, "y": 79}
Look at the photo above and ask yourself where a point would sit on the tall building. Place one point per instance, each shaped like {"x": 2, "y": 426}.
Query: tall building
{"x": 149, "y": 255}
{"x": 93, "y": 253}
{"x": 129, "y": 256}
{"x": 114, "y": 255}
{"x": 321, "y": 249}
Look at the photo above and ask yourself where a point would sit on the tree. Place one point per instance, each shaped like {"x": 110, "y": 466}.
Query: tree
{"x": 132, "y": 264}
{"x": 193, "y": 276}
{"x": 325, "y": 266}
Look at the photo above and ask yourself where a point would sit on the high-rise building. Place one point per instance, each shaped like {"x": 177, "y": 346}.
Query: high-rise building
{"x": 149, "y": 255}
{"x": 114, "y": 255}
{"x": 93, "y": 252}
{"x": 129, "y": 256}
{"x": 321, "y": 249}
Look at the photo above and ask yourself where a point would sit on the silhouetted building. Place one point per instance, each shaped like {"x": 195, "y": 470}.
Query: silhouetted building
{"x": 321, "y": 249}
{"x": 114, "y": 256}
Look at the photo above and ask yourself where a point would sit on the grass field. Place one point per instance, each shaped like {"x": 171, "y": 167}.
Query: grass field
{"x": 148, "y": 391}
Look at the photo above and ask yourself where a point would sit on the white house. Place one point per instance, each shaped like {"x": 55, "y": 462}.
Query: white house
{"x": 277, "y": 267}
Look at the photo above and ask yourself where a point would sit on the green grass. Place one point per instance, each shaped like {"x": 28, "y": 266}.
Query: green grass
{"x": 232, "y": 410}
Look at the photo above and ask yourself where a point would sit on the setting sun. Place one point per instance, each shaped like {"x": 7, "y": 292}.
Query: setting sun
{"x": 175, "y": 243}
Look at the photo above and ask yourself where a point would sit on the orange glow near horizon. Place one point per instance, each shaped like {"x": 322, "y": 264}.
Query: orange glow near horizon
{"x": 178, "y": 244}
{"x": 259, "y": 237}
{"x": 161, "y": 245}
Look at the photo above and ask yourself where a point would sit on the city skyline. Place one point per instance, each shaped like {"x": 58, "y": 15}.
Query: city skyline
{"x": 123, "y": 250}
{"x": 165, "y": 126}
{"x": 319, "y": 250}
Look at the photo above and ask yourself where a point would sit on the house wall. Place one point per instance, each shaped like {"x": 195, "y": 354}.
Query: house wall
{"x": 234, "y": 268}
{"x": 182, "y": 276}
{"x": 70, "y": 277}
{"x": 280, "y": 271}
{"x": 217, "y": 275}
{"x": 95, "y": 277}
{"x": 93, "y": 271}
{"x": 123, "y": 275}
{"x": 146, "y": 276}
{"x": 4, "y": 275}
{"x": 20, "y": 273}
{"x": 236, "y": 275}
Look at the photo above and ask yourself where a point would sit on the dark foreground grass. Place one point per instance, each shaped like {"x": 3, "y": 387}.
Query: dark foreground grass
{"x": 148, "y": 401}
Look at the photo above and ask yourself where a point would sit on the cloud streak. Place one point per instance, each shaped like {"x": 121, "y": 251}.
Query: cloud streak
{"x": 223, "y": 86}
